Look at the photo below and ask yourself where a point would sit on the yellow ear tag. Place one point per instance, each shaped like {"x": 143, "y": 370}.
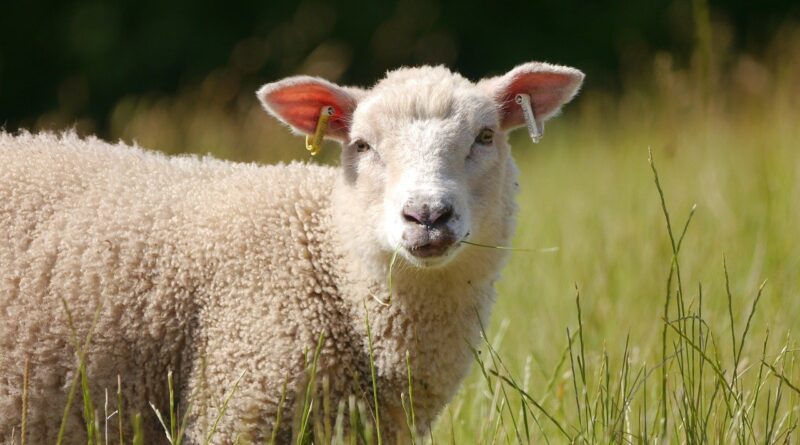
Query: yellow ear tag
{"x": 314, "y": 142}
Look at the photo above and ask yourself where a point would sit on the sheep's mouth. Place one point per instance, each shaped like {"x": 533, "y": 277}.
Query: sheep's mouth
{"x": 426, "y": 244}
{"x": 430, "y": 250}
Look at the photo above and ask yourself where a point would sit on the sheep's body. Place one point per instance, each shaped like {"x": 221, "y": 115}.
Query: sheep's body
{"x": 216, "y": 270}
{"x": 210, "y": 269}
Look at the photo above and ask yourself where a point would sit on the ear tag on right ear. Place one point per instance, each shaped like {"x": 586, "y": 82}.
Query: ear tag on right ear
{"x": 535, "y": 129}
{"x": 314, "y": 142}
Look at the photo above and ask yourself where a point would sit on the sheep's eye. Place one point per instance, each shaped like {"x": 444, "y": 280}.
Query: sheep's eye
{"x": 485, "y": 137}
{"x": 361, "y": 146}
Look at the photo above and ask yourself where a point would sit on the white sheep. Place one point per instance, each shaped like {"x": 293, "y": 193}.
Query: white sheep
{"x": 217, "y": 270}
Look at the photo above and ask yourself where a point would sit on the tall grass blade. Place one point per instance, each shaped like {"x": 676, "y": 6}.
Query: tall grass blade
{"x": 223, "y": 409}
{"x": 138, "y": 432}
{"x": 308, "y": 401}
{"x": 23, "y": 433}
{"x": 119, "y": 410}
{"x": 80, "y": 352}
{"x": 377, "y": 412}
{"x": 278, "y": 415}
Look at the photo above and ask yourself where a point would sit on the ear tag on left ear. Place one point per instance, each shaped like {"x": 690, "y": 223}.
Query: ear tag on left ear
{"x": 535, "y": 129}
{"x": 314, "y": 142}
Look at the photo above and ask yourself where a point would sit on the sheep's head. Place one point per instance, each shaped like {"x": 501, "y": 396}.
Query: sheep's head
{"x": 425, "y": 151}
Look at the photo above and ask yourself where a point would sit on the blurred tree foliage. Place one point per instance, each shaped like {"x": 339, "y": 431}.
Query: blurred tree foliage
{"x": 81, "y": 57}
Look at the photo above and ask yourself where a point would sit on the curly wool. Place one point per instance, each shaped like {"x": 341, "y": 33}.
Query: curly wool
{"x": 213, "y": 270}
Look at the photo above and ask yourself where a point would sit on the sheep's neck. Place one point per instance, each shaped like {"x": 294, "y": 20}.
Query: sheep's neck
{"x": 430, "y": 316}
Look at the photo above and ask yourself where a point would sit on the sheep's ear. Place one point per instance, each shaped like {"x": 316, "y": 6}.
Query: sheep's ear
{"x": 297, "y": 102}
{"x": 549, "y": 87}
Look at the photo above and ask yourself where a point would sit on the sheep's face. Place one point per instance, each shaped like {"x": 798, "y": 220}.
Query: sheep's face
{"x": 428, "y": 145}
{"x": 425, "y": 150}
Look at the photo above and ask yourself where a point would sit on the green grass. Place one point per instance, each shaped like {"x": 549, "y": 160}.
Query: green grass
{"x": 636, "y": 372}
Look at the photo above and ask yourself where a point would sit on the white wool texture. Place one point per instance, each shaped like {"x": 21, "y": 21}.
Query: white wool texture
{"x": 213, "y": 270}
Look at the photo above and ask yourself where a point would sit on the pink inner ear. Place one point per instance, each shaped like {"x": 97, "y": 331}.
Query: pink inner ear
{"x": 548, "y": 91}
{"x": 299, "y": 105}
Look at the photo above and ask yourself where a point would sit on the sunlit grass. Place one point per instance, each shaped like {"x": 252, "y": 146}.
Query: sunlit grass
{"x": 589, "y": 190}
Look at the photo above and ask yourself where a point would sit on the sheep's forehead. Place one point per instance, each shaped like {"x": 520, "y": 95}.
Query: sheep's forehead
{"x": 426, "y": 93}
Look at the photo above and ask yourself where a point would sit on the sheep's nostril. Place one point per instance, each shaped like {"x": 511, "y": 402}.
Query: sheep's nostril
{"x": 416, "y": 214}
{"x": 427, "y": 215}
{"x": 441, "y": 215}
{"x": 411, "y": 217}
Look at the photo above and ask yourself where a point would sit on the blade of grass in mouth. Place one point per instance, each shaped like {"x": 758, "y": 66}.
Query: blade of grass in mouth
{"x": 516, "y": 249}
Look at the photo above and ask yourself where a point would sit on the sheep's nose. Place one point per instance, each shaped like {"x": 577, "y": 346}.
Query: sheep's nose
{"x": 429, "y": 215}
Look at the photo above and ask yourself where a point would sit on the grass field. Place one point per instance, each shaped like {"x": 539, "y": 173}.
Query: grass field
{"x": 659, "y": 348}
{"x": 589, "y": 190}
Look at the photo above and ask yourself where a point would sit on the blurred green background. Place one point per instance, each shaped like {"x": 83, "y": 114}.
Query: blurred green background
{"x": 97, "y": 64}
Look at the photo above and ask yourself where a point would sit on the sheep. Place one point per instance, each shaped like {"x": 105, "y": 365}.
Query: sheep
{"x": 224, "y": 272}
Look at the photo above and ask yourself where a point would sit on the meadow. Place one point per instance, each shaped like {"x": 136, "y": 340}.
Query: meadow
{"x": 704, "y": 339}
{"x": 696, "y": 347}
{"x": 590, "y": 191}
{"x": 659, "y": 299}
